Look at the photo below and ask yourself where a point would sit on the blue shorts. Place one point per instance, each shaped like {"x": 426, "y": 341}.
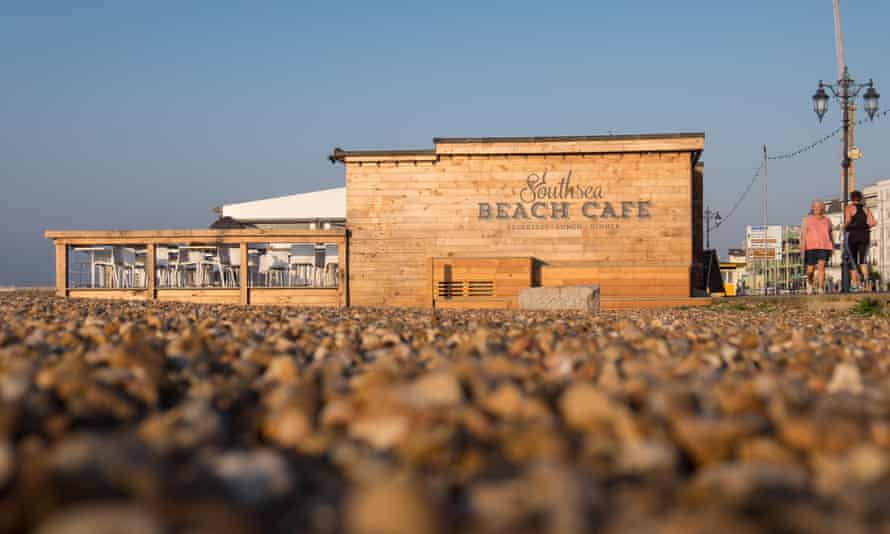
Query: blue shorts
{"x": 812, "y": 257}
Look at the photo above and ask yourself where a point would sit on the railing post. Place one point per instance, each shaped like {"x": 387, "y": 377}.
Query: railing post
{"x": 341, "y": 278}
{"x": 61, "y": 269}
{"x": 244, "y": 275}
{"x": 150, "y": 271}
{"x": 343, "y": 270}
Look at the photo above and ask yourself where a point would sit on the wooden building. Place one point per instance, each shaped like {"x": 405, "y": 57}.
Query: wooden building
{"x": 469, "y": 223}
{"x": 472, "y": 222}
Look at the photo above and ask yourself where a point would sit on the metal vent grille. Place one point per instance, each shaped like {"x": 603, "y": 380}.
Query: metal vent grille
{"x": 465, "y": 288}
{"x": 480, "y": 288}
{"x": 450, "y": 289}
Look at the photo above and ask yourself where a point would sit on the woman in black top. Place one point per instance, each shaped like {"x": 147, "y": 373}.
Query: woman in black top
{"x": 858, "y": 221}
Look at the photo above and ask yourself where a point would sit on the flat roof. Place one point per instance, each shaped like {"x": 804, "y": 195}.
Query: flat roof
{"x": 571, "y": 144}
{"x": 323, "y": 204}
{"x": 569, "y": 138}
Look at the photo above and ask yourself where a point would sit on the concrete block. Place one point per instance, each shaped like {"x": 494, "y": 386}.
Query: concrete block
{"x": 584, "y": 298}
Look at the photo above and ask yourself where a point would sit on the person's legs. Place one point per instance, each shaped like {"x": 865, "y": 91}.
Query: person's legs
{"x": 853, "y": 251}
{"x": 820, "y": 275}
{"x": 859, "y": 258}
{"x": 811, "y": 269}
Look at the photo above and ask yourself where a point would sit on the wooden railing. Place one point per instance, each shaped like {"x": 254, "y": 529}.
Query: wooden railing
{"x": 243, "y": 294}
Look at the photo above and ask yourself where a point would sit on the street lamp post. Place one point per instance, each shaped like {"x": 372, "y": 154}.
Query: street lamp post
{"x": 710, "y": 216}
{"x": 846, "y": 90}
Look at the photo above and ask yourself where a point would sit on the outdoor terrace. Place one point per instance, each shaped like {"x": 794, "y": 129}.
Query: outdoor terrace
{"x": 224, "y": 266}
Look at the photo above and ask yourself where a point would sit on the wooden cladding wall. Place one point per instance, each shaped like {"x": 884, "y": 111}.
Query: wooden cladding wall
{"x": 403, "y": 212}
{"x": 622, "y": 281}
{"x": 465, "y": 282}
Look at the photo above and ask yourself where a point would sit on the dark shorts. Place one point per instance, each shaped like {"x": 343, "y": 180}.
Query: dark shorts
{"x": 812, "y": 257}
{"x": 858, "y": 252}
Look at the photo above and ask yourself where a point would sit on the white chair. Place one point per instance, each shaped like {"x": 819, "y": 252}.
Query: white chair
{"x": 331, "y": 265}
{"x": 116, "y": 266}
{"x": 105, "y": 269}
{"x": 217, "y": 264}
{"x": 273, "y": 269}
{"x": 125, "y": 265}
{"x": 139, "y": 277}
{"x": 301, "y": 265}
{"x": 230, "y": 265}
{"x": 162, "y": 266}
{"x": 191, "y": 261}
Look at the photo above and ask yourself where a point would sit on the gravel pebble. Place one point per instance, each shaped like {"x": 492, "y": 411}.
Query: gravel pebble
{"x": 169, "y": 417}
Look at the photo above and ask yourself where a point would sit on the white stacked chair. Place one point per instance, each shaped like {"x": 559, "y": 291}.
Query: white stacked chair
{"x": 230, "y": 266}
{"x": 331, "y": 265}
{"x": 301, "y": 265}
{"x": 191, "y": 261}
{"x": 216, "y": 264}
{"x": 103, "y": 261}
{"x": 162, "y": 266}
{"x": 273, "y": 269}
{"x": 139, "y": 278}
{"x": 125, "y": 266}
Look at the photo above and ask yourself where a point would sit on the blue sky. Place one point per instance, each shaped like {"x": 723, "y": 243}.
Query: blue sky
{"x": 126, "y": 115}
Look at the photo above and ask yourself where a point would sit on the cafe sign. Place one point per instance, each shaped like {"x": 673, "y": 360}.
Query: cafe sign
{"x": 545, "y": 199}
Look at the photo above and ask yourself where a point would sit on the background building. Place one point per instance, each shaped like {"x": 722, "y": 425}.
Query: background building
{"x": 877, "y": 197}
{"x": 733, "y": 271}
{"x": 773, "y": 262}
{"x": 324, "y": 209}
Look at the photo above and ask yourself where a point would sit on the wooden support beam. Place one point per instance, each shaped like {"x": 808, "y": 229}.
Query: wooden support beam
{"x": 150, "y": 271}
{"x": 244, "y": 274}
{"x": 341, "y": 273}
{"x": 61, "y": 269}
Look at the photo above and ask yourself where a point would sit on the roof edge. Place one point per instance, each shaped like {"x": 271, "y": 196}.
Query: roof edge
{"x": 568, "y": 138}
{"x": 338, "y": 154}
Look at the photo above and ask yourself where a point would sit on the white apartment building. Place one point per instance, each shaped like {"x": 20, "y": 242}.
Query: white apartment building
{"x": 878, "y": 199}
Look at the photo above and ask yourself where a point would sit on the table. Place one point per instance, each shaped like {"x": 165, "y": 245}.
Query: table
{"x": 199, "y": 269}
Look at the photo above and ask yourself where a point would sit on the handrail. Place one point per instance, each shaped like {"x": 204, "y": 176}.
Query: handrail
{"x": 193, "y": 235}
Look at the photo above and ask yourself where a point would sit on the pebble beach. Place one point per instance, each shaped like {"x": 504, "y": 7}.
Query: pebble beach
{"x": 162, "y": 417}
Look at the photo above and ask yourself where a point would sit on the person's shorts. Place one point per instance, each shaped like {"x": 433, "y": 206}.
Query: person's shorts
{"x": 858, "y": 252}
{"x": 812, "y": 257}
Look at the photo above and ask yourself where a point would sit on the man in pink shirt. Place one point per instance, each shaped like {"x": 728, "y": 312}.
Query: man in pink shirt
{"x": 816, "y": 244}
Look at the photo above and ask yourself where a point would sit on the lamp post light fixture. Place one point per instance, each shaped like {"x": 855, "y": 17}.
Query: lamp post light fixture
{"x": 820, "y": 102}
{"x": 846, "y": 90}
{"x": 872, "y": 100}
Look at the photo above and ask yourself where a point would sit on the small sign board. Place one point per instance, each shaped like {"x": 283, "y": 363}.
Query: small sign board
{"x": 764, "y": 242}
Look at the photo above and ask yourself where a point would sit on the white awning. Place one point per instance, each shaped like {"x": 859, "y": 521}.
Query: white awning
{"x": 324, "y": 204}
